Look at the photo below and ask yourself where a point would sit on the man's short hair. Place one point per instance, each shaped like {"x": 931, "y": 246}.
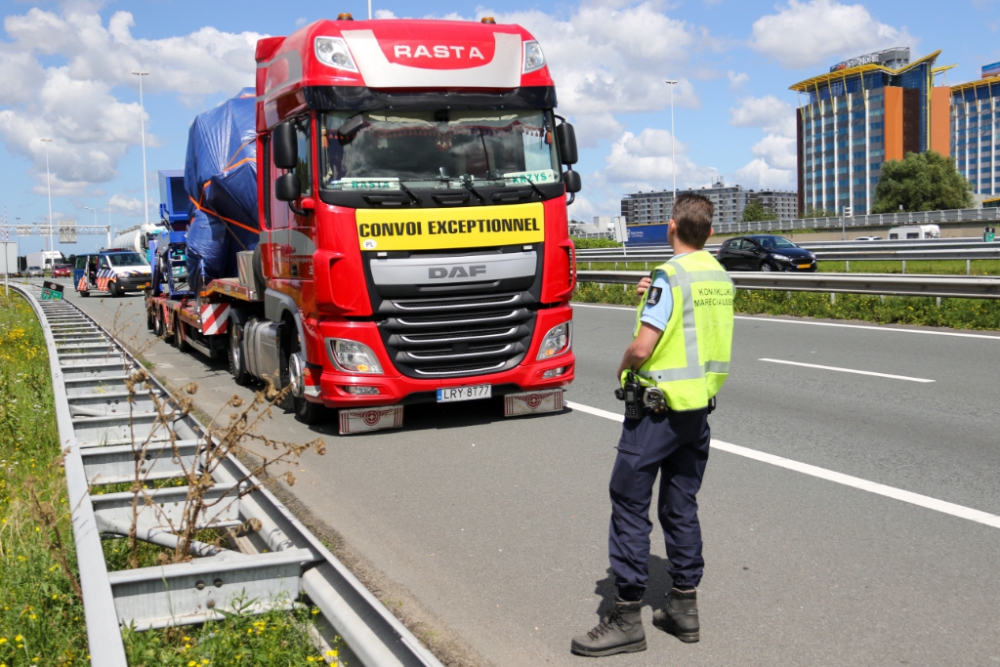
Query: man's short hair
{"x": 693, "y": 215}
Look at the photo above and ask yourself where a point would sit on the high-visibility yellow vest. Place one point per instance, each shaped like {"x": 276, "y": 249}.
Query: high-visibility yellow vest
{"x": 691, "y": 360}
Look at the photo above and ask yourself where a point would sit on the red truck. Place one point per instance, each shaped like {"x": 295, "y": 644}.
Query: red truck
{"x": 413, "y": 238}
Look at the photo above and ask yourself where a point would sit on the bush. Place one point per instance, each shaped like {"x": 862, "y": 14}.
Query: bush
{"x": 586, "y": 244}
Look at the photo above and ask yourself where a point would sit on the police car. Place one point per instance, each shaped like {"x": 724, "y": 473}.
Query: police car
{"x": 113, "y": 271}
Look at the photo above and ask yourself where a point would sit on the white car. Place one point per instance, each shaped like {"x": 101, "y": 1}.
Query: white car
{"x": 868, "y": 238}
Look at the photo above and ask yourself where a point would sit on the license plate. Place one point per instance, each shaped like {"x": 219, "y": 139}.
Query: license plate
{"x": 804, "y": 266}
{"x": 452, "y": 394}
{"x": 144, "y": 286}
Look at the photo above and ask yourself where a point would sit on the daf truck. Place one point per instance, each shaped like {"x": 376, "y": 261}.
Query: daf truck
{"x": 409, "y": 239}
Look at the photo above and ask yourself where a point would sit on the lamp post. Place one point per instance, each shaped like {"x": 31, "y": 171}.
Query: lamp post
{"x": 95, "y": 216}
{"x": 673, "y": 142}
{"x": 109, "y": 223}
{"x": 142, "y": 125}
{"x": 48, "y": 183}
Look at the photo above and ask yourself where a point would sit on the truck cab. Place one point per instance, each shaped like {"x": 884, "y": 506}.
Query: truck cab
{"x": 414, "y": 235}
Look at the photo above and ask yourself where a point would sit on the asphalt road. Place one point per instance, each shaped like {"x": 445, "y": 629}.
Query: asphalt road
{"x": 499, "y": 526}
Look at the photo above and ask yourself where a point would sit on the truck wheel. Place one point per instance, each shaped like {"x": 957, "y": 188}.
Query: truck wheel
{"x": 179, "y": 341}
{"x": 158, "y": 328}
{"x": 115, "y": 290}
{"x": 84, "y": 293}
{"x": 150, "y": 320}
{"x": 237, "y": 364}
{"x": 305, "y": 411}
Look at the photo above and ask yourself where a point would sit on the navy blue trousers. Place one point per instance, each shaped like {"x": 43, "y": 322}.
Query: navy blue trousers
{"x": 675, "y": 445}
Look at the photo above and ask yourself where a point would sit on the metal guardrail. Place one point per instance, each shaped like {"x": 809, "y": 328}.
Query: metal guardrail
{"x": 953, "y": 216}
{"x": 280, "y": 561}
{"x": 818, "y": 246}
{"x": 969, "y": 254}
{"x": 845, "y": 283}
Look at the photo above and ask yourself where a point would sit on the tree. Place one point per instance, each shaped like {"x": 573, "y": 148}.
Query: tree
{"x": 921, "y": 182}
{"x": 755, "y": 211}
{"x": 818, "y": 213}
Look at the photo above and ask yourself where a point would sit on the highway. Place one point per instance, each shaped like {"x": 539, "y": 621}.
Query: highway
{"x": 874, "y": 540}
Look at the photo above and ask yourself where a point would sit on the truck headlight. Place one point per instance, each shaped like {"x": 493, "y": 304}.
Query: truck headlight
{"x": 351, "y": 356}
{"x": 556, "y": 341}
{"x": 533, "y": 57}
{"x": 333, "y": 51}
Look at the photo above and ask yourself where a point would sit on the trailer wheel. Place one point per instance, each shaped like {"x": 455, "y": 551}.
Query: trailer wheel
{"x": 237, "y": 363}
{"x": 182, "y": 345}
{"x": 150, "y": 320}
{"x": 84, "y": 293}
{"x": 158, "y": 328}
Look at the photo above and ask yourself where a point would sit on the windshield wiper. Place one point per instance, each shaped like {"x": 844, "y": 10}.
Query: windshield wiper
{"x": 467, "y": 184}
{"x": 415, "y": 198}
{"x": 541, "y": 195}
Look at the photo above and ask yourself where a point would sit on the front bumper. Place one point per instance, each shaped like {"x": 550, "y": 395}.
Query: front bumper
{"x": 330, "y": 386}
{"x": 134, "y": 283}
{"x": 797, "y": 265}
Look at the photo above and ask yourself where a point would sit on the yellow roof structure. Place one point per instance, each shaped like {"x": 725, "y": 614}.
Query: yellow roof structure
{"x": 810, "y": 84}
{"x": 975, "y": 84}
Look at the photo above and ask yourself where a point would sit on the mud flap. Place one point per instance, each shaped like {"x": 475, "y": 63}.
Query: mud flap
{"x": 531, "y": 402}
{"x": 363, "y": 420}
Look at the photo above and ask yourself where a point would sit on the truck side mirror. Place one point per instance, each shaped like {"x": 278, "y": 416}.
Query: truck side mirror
{"x": 572, "y": 181}
{"x": 287, "y": 187}
{"x": 286, "y": 146}
{"x": 566, "y": 136}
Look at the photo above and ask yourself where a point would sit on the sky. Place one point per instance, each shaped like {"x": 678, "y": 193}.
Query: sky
{"x": 65, "y": 74}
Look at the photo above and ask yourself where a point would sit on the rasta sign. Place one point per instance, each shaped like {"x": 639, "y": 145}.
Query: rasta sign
{"x": 430, "y": 229}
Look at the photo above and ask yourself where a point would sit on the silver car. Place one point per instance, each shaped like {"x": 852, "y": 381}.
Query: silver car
{"x": 34, "y": 272}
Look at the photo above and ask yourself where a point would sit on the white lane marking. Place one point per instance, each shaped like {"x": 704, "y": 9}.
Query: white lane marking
{"x": 867, "y": 326}
{"x": 818, "y": 324}
{"x": 917, "y": 499}
{"x": 847, "y": 370}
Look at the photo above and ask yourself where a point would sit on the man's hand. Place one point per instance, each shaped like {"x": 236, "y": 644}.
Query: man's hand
{"x": 639, "y": 349}
{"x": 643, "y": 285}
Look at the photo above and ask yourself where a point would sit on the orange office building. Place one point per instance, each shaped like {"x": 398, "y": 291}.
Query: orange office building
{"x": 861, "y": 113}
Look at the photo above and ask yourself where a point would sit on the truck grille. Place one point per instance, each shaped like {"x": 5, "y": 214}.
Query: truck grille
{"x": 444, "y": 337}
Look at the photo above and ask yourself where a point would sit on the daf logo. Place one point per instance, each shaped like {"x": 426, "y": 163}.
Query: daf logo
{"x": 442, "y": 272}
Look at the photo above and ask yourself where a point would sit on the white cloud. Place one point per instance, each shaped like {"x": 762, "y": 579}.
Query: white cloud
{"x": 647, "y": 161}
{"x": 772, "y": 115}
{"x": 759, "y": 175}
{"x": 384, "y": 14}
{"x": 58, "y": 78}
{"x": 737, "y": 79}
{"x": 806, "y": 34}
{"x": 775, "y": 155}
{"x": 126, "y": 205}
{"x": 611, "y": 58}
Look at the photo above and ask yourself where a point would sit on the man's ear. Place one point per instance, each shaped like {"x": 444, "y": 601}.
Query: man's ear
{"x": 711, "y": 232}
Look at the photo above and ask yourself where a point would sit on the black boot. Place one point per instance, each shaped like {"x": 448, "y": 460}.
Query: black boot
{"x": 620, "y": 632}
{"x": 680, "y": 616}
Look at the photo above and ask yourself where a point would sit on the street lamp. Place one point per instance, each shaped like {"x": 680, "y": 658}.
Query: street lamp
{"x": 673, "y": 141}
{"x": 48, "y": 182}
{"x": 142, "y": 125}
{"x": 109, "y": 223}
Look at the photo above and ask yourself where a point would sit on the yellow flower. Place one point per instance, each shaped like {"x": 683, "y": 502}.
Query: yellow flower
{"x": 192, "y": 664}
{"x": 18, "y": 638}
{"x": 310, "y": 659}
{"x": 331, "y": 654}
{"x": 3, "y": 640}
{"x": 315, "y": 611}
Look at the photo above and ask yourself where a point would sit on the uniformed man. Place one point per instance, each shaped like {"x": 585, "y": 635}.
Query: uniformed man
{"x": 681, "y": 346}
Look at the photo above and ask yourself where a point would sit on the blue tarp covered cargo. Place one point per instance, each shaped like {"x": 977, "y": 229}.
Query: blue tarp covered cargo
{"x": 220, "y": 176}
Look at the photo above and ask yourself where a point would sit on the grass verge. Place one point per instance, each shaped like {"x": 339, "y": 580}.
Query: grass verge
{"x": 924, "y": 311}
{"x": 41, "y": 615}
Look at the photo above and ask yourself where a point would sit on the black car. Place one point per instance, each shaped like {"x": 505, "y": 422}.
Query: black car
{"x": 765, "y": 252}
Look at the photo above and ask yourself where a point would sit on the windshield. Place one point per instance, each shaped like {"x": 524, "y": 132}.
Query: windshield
{"x": 126, "y": 259}
{"x": 439, "y": 149}
{"x": 775, "y": 242}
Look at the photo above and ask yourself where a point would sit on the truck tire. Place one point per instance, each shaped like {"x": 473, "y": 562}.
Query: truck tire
{"x": 150, "y": 320}
{"x": 237, "y": 361}
{"x": 115, "y": 289}
{"x": 84, "y": 293}
{"x": 305, "y": 411}
{"x": 179, "y": 341}
{"x": 158, "y": 329}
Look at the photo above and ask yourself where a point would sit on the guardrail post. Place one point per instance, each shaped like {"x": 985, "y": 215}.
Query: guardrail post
{"x": 847, "y": 266}
{"x": 938, "y": 300}
{"x": 904, "y": 266}
{"x": 968, "y": 267}
{"x": 833, "y": 297}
